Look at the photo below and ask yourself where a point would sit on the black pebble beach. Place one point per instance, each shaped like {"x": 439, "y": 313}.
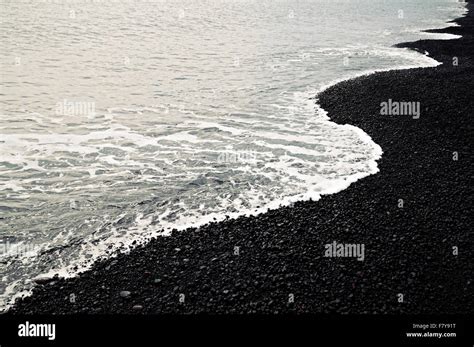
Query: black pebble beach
{"x": 280, "y": 255}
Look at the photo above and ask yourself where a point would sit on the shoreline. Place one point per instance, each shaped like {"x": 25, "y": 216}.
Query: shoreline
{"x": 280, "y": 253}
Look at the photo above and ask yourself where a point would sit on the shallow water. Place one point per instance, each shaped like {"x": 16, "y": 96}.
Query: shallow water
{"x": 123, "y": 119}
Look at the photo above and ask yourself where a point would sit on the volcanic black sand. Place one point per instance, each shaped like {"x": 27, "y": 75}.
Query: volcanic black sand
{"x": 408, "y": 250}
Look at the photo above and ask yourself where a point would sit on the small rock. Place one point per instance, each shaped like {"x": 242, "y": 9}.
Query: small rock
{"x": 125, "y": 293}
{"x": 42, "y": 280}
{"x": 137, "y": 307}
